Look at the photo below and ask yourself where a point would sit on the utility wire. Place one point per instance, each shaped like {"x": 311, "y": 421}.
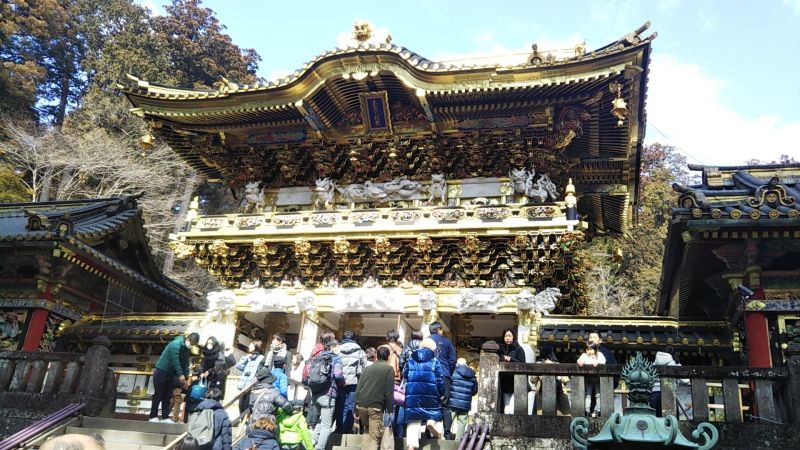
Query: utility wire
{"x": 651, "y": 124}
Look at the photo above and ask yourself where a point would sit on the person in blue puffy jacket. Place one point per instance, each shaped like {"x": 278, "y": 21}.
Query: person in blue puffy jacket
{"x": 463, "y": 387}
{"x": 425, "y": 392}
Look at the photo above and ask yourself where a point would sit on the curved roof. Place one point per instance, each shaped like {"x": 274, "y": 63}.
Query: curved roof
{"x": 413, "y": 68}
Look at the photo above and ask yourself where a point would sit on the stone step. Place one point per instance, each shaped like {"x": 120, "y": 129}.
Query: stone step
{"x": 401, "y": 444}
{"x": 107, "y": 423}
{"x": 120, "y": 446}
{"x": 350, "y": 441}
{"x": 122, "y": 437}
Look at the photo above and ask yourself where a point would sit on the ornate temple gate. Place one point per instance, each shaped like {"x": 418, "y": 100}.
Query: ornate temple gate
{"x": 382, "y": 189}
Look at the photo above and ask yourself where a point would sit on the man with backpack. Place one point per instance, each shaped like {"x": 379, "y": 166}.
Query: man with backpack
{"x": 353, "y": 362}
{"x": 323, "y": 375}
{"x": 265, "y": 398}
{"x": 210, "y": 425}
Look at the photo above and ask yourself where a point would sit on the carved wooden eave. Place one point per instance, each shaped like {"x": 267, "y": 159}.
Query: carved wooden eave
{"x": 737, "y": 219}
{"x": 132, "y": 328}
{"x": 638, "y": 333}
{"x": 77, "y": 248}
{"x": 310, "y": 108}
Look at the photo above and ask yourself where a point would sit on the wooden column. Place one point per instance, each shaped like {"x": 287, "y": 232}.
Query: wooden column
{"x": 756, "y": 328}
{"x": 36, "y": 328}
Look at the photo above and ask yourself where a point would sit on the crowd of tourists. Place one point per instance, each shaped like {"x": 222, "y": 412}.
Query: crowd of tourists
{"x": 394, "y": 390}
{"x": 409, "y": 390}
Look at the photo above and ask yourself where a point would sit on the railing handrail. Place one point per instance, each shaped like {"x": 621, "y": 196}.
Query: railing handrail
{"x": 234, "y": 422}
{"x": 778, "y": 373}
{"x": 39, "y": 427}
{"x": 43, "y": 356}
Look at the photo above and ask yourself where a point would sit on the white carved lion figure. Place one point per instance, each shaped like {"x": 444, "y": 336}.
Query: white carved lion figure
{"x": 221, "y": 301}
{"x": 253, "y": 197}
{"x": 438, "y": 189}
{"x": 542, "y": 190}
{"x": 306, "y": 302}
{"x": 519, "y": 181}
{"x": 427, "y": 301}
{"x": 544, "y": 302}
{"x": 323, "y": 193}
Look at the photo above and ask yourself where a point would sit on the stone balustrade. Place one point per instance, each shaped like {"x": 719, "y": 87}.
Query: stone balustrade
{"x": 744, "y": 403}
{"x": 34, "y": 384}
{"x": 40, "y": 373}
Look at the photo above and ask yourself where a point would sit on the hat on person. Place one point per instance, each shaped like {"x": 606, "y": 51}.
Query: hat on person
{"x": 263, "y": 375}
{"x": 297, "y": 405}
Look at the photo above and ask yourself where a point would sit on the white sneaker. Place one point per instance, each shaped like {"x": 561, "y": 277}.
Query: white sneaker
{"x": 168, "y": 420}
{"x": 154, "y": 419}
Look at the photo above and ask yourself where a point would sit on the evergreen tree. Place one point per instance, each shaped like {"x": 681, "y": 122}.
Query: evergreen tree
{"x": 121, "y": 41}
{"x": 12, "y": 189}
{"x": 21, "y": 24}
{"x": 199, "y": 49}
{"x": 625, "y": 271}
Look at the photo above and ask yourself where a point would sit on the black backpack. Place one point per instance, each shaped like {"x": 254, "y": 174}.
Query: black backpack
{"x": 320, "y": 370}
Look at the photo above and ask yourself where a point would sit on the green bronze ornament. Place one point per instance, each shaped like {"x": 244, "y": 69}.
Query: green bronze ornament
{"x": 640, "y": 427}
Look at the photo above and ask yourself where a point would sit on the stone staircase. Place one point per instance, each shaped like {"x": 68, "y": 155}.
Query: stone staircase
{"x": 353, "y": 442}
{"x": 120, "y": 434}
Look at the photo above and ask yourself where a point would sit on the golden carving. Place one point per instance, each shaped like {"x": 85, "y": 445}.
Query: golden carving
{"x": 260, "y": 247}
{"x": 423, "y": 244}
{"x": 302, "y": 247}
{"x": 181, "y": 250}
{"x": 382, "y": 245}
{"x": 218, "y": 248}
{"x": 341, "y": 246}
{"x": 521, "y": 240}
{"x": 471, "y": 243}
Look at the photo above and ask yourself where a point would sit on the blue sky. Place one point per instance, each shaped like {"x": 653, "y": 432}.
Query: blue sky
{"x": 723, "y": 79}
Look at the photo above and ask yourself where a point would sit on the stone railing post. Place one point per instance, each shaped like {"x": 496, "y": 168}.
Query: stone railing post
{"x": 93, "y": 374}
{"x": 792, "y": 352}
{"x": 488, "y": 391}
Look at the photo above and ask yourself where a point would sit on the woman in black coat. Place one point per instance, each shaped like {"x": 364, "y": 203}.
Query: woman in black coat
{"x": 510, "y": 351}
{"x": 213, "y": 370}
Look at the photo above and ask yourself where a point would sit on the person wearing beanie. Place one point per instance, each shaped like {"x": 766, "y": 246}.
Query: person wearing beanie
{"x": 264, "y": 398}
{"x": 222, "y": 434}
{"x": 464, "y": 386}
{"x": 293, "y": 429}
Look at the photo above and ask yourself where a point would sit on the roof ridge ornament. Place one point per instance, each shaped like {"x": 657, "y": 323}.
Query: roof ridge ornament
{"x": 364, "y": 33}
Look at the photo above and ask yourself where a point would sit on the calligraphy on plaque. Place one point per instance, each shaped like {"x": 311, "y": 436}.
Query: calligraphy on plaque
{"x": 375, "y": 112}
